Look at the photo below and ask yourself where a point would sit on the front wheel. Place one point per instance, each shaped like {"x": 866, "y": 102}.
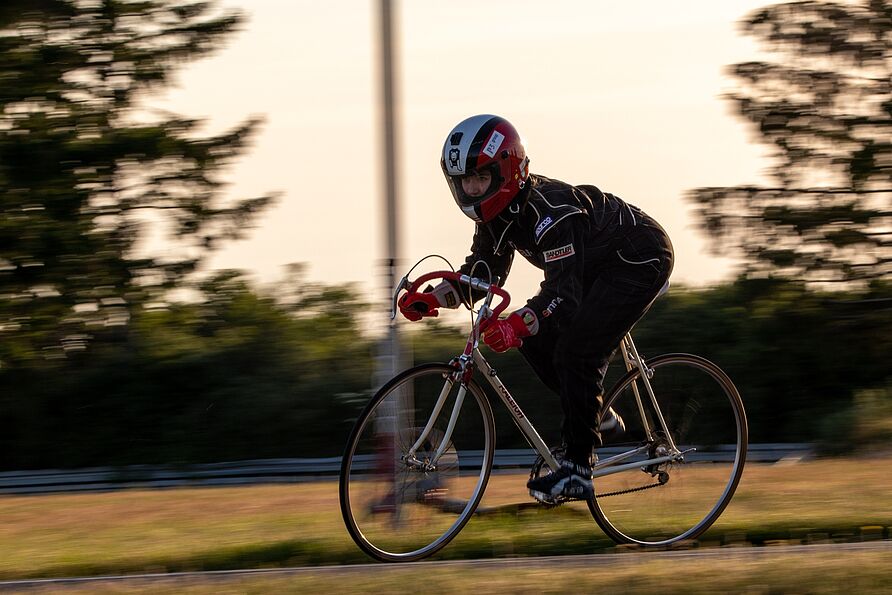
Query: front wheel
{"x": 660, "y": 504}
{"x": 401, "y": 504}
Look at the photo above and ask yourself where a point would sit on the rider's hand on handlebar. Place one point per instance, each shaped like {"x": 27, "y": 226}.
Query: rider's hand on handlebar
{"x": 502, "y": 335}
{"x": 416, "y": 306}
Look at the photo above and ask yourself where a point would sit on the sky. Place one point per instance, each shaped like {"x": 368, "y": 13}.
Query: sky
{"x": 628, "y": 96}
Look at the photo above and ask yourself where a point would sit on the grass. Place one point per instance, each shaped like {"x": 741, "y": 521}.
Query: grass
{"x": 815, "y": 572}
{"x": 300, "y": 524}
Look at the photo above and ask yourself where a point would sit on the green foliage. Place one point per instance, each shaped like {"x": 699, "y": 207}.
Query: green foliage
{"x": 796, "y": 355}
{"x": 87, "y": 171}
{"x": 238, "y": 375}
{"x": 825, "y": 107}
{"x": 872, "y": 416}
{"x": 249, "y": 373}
{"x": 98, "y": 367}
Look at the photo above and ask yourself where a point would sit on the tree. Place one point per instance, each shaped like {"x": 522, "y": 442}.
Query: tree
{"x": 245, "y": 373}
{"x": 87, "y": 172}
{"x": 826, "y": 108}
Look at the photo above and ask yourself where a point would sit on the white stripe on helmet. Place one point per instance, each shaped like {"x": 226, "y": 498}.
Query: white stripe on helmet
{"x": 455, "y": 156}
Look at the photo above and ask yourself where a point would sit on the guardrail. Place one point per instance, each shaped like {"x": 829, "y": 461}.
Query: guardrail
{"x": 287, "y": 470}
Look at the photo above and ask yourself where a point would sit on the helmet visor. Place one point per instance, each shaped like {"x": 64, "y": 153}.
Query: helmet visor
{"x": 477, "y": 185}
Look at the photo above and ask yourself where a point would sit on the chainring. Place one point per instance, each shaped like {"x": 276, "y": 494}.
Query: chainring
{"x": 539, "y": 469}
{"x": 659, "y": 472}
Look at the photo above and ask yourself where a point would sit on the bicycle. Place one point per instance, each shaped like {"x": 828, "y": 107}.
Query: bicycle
{"x": 420, "y": 455}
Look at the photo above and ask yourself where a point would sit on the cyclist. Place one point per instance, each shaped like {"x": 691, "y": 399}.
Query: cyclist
{"x": 604, "y": 262}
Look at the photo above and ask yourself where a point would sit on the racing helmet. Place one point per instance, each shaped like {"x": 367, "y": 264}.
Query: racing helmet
{"x": 485, "y": 143}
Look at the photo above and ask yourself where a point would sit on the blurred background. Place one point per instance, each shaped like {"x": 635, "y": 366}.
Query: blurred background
{"x": 193, "y": 238}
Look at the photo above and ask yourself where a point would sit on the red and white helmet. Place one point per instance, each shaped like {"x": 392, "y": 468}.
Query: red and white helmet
{"x": 488, "y": 143}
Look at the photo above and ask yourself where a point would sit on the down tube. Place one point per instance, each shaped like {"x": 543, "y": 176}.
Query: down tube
{"x": 520, "y": 420}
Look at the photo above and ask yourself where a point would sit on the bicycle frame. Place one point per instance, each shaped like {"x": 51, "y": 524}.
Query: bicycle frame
{"x": 464, "y": 369}
{"x": 420, "y": 455}
{"x": 608, "y": 466}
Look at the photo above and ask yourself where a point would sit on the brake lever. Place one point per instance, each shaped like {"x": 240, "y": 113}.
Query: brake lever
{"x": 403, "y": 284}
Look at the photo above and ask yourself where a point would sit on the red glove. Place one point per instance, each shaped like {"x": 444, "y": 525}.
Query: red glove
{"x": 502, "y": 335}
{"x": 416, "y": 306}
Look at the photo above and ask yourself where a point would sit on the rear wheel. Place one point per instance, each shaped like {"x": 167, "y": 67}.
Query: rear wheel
{"x": 403, "y": 506}
{"x": 663, "y": 503}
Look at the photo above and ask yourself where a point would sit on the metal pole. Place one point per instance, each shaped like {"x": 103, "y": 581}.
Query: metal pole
{"x": 389, "y": 133}
{"x": 389, "y": 422}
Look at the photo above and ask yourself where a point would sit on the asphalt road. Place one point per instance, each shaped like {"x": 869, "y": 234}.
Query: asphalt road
{"x": 585, "y": 561}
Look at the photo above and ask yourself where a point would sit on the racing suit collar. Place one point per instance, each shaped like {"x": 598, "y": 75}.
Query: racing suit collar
{"x": 509, "y": 216}
{"x": 498, "y": 229}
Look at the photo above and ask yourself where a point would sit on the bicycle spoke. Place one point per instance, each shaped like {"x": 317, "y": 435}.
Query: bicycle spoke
{"x": 397, "y": 507}
{"x": 660, "y": 502}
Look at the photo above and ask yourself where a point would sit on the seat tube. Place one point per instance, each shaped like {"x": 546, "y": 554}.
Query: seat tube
{"x": 626, "y": 346}
{"x": 650, "y": 391}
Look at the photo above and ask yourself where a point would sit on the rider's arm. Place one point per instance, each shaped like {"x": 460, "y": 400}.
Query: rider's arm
{"x": 451, "y": 295}
{"x": 560, "y": 293}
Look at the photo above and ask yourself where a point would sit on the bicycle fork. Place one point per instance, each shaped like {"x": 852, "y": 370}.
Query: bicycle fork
{"x": 462, "y": 372}
{"x": 431, "y": 464}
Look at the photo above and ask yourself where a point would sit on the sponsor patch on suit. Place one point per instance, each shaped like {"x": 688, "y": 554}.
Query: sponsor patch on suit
{"x": 543, "y": 226}
{"x": 559, "y": 253}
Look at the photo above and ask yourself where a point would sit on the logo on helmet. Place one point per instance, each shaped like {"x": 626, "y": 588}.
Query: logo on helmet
{"x": 495, "y": 141}
{"x": 454, "y": 155}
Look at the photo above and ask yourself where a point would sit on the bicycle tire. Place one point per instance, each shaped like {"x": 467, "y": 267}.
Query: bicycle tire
{"x": 394, "y": 510}
{"x": 659, "y": 505}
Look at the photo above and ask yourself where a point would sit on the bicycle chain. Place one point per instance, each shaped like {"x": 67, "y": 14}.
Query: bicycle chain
{"x": 555, "y": 504}
{"x": 630, "y": 490}
{"x": 537, "y": 465}
{"x": 662, "y": 479}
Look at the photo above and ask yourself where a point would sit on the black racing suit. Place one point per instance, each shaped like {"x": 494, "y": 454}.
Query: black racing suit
{"x": 605, "y": 261}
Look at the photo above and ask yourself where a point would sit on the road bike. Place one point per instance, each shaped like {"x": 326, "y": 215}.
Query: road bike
{"x": 420, "y": 455}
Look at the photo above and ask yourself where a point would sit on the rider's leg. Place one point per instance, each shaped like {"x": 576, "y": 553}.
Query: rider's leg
{"x": 616, "y": 300}
{"x": 538, "y": 351}
{"x": 580, "y": 360}
{"x": 620, "y": 294}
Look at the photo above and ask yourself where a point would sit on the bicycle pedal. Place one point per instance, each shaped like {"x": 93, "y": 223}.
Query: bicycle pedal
{"x": 548, "y": 499}
{"x": 543, "y": 497}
